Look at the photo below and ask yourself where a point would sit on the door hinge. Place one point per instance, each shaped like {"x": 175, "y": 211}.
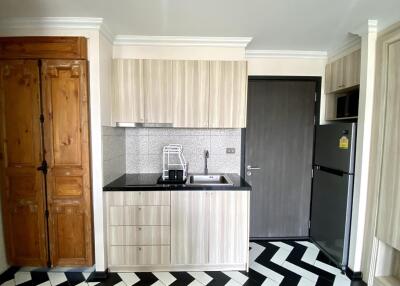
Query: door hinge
{"x": 43, "y": 167}
{"x": 315, "y": 97}
{"x": 41, "y": 118}
{"x": 309, "y": 224}
{"x": 312, "y": 173}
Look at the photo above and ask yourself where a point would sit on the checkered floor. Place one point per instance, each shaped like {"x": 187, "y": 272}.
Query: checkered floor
{"x": 271, "y": 263}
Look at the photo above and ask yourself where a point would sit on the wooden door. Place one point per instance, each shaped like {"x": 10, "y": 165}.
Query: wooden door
{"x": 128, "y": 92}
{"x": 189, "y": 227}
{"x": 229, "y": 228}
{"x": 20, "y": 156}
{"x": 279, "y": 141}
{"x": 228, "y": 94}
{"x": 191, "y": 90}
{"x": 157, "y": 82}
{"x": 388, "y": 224}
{"x": 65, "y": 102}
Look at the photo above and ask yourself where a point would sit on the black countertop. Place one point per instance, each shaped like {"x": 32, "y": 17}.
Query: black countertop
{"x": 148, "y": 182}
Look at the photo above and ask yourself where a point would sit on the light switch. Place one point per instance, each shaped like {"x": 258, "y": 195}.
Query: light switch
{"x": 230, "y": 150}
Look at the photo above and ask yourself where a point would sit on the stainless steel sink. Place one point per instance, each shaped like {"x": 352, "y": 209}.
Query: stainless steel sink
{"x": 209, "y": 180}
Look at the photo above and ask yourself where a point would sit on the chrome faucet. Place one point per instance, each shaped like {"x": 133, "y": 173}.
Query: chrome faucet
{"x": 206, "y": 156}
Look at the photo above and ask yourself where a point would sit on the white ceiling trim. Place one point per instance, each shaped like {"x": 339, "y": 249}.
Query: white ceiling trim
{"x": 182, "y": 41}
{"x": 286, "y": 54}
{"x": 52, "y": 22}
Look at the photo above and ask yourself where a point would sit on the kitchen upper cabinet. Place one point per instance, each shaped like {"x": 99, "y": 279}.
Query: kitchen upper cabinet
{"x": 128, "y": 93}
{"x": 343, "y": 73}
{"x": 189, "y": 94}
{"x": 228, "y": 94}
{"x": 328, "y": 78}
{"x": 337, "y": 75}
{"x": 189, "y": 227}
{"x": 157, "y": 86}
{"x": 351, "y": 69}
{"x": 191, "y": 87}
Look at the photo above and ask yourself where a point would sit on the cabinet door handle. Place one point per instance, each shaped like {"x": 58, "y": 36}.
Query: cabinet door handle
{"x": 249, "y": 167}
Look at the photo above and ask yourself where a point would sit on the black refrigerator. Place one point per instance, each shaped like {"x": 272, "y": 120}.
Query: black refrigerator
{"x": 332, "y": 192}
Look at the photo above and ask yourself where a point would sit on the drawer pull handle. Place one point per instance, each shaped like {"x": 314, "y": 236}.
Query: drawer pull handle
{"x": 140, "y": 209}
{"x": 140, "y": 249}
{"x": 140, "y": 228}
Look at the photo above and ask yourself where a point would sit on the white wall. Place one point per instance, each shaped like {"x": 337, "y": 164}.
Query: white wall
{"x": 92, "y": 34}
{"x": 105, "y": 56}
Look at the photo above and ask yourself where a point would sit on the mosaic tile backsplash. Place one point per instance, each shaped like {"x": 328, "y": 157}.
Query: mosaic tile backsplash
{"x": 143, "y": 149}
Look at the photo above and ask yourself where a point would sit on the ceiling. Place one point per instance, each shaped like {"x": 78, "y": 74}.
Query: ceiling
{"x": 309, "y": 25}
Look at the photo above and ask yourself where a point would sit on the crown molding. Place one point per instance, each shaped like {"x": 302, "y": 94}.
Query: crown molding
{"x": 347, "y": 47}
{"x": 182, "y": 41}
{"x": 51, "y": 22}
{"x": 286, "y": 54}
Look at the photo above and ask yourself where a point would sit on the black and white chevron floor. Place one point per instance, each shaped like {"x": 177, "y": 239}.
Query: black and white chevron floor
{"x": 271, "y": 263}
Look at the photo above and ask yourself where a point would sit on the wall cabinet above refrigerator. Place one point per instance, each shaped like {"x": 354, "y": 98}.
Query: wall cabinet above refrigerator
{"x": 186, "y": 94}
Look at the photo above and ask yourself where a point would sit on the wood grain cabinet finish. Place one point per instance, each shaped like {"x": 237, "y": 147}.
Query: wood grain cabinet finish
{"x": 328, "y": 78}
{"x": 343, "y": 73}
{"x": 228, "y": 94}
{"x": 189, "y": 94}
{"x": 157, "y": 85}
{"x": 65, "y": 108}
{"x": 138, "y": 228}
{"x": 351, "y": 69}
{"x": 199, "y": 230}
{"x": 191, "y": 88}
{"x": 228, "y": 227}
{"x": 20, "y": 155}
{"x": 209, "y": 228}
{"x": 190, "y": 229}
{"x": 128, "y": 91}
{"x": 43, "y": 48}
{"x": 388, "y": 224}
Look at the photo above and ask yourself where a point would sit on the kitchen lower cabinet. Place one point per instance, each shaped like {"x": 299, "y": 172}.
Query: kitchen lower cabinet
{"x": 198, "y": 230}
{"x": 189, "y": 236}
{"x": 228, "y": 227}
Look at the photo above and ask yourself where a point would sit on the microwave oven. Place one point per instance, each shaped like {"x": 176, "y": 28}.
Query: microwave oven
{"x": 347, "y": 104}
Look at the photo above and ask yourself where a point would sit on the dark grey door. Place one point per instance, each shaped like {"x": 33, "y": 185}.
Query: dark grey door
{"x": 279, "y": 141}
{"x": 331, "y": 212}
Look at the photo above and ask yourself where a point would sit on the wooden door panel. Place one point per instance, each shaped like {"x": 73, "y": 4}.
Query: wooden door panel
{"x": 22, "y": 193}
{"x": 67, "y": 153}
{"x": 68, "y": 226}
{"x": 21, "y": 102}
{"x": 25, "y": 238}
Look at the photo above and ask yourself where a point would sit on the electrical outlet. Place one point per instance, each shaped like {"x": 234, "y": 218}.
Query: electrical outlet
{"x": 230, "y": 150}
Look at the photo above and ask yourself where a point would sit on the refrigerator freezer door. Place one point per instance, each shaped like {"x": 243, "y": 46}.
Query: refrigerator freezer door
{"x": 331, "y": 213}
{"x": 335, "y": 146}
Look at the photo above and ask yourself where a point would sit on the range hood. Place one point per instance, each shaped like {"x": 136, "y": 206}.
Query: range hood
{"x": 143, "y": 125}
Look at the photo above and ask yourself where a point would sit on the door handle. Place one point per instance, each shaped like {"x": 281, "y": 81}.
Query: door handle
{"x": 249, "y": 167}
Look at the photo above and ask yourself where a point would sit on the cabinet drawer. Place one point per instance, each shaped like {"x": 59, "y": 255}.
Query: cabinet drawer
{"x": 139, "y": 235}
{"x": 147, "y": 198}
{"x": 146, "y": 215}
{"x": 139, "y": 255}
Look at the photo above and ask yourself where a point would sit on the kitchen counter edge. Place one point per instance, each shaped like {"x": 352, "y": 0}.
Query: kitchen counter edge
{"x": 148, "y": 182}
